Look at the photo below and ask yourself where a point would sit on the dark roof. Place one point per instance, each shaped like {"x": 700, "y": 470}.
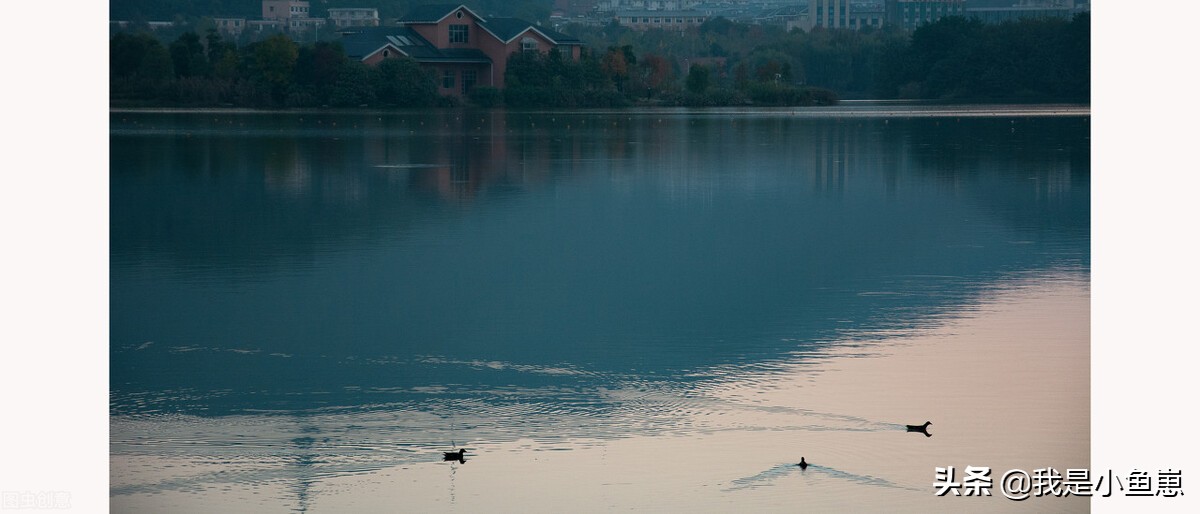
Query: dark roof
{"x": 367, "y": 40}
{"x": 508, "y": 28}
{"x": 430, "y": 13}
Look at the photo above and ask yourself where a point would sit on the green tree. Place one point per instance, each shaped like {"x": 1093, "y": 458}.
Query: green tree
{"x": 403, "y": 82}
{"x": 273, "y": 63}
{"x": 319, "y": 66}
{"x": 139, "y": 56}
{"x": 655, "y": 74}
{"x": 222, "y": 56}
{"x": 188, "y": 57}
{"x": 615, "y": 67}
{"x": 698, "y": 79}
{"x": 352, "y": 87}
{"x": 139, "y": 67}
{"x": 216, "y": 46}
{"x": 741, "y": 76}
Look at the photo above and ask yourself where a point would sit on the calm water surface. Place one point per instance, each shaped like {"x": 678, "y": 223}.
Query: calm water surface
{"x": 656, "y": 311}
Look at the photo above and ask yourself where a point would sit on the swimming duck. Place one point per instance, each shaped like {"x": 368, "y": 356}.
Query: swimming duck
{"x": 802, "y": 464}
{"x": 459, "y": 455}
{"x": 924, "y": 429}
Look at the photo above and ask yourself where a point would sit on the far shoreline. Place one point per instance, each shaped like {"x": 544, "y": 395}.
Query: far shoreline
{"x": 845, "y": 109}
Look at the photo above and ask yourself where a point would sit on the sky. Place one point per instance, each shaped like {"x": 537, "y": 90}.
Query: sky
{"x": 54, "y": 219}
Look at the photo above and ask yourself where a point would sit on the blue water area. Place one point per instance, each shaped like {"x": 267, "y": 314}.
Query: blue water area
{"x": 296, "y": 261}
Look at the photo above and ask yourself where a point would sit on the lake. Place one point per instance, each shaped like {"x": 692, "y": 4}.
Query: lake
{"x": 649, "y": 310}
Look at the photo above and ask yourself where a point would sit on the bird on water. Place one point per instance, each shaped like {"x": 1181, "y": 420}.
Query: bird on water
{"x": 459, "y": 455}
{"x": 802, "y": 464}
{"x": 924, "y": 429}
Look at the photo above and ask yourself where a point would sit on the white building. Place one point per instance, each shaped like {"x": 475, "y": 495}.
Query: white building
{"x": 284, "y": 9}
{"x": 645, "y": 5}
{"x": 665, "y": 20}
{"x": 230, "y": 26}
{"x": 830, "y": 14}
{"x": 354, "y": 17}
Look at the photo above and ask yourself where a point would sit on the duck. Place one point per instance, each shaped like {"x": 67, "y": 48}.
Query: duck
{"x": 459, "y": 455}
{"x": 924, "y": 429}
{"x": 802, "y": 464}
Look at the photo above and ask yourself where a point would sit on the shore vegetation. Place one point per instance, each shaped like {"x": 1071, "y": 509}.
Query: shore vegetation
{"x": 720, "y": 63}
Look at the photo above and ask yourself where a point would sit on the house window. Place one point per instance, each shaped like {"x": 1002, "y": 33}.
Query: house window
{"x": 529, "y": 45}
{"x": 385, "y": 54}
{"x": 447, "y": 79}
{"x": 458, "y": 33}
{"x": 468, "y": 81}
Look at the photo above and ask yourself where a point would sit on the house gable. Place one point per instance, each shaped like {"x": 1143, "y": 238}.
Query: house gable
{"x": 530, "y": 36}
{"x": 507, "y": 29}
{"x": 436, "y": 13}
{"x": 386, "y": 51}
{"x": 456, "y": 26}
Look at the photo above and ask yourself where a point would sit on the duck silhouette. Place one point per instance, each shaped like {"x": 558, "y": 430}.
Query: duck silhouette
{"x": 459, "y": 456}
{"x": 802, "y": 464}
{"x": 923, "y": 429}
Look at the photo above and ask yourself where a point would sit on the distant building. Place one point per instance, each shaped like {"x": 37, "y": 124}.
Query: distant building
{"x": 608, "y": 6}
{"x": 666, "y": 20}
{"x": 290, "y": 15}
{"x": 782, "y": 15}
{"x": 831, "y": 14}
{"x": 463, "y": 49}
{"x": 282, "y": 10}
{"x": 1068, "y": 4}
{"x": 230, "y": 26}
{"x": 354, "y": 17}
{"x": 839, "y": 14}
{"x": 304, "y": 24}
{"x": 568, "y": 8}
{"x": 861, "y": 18}
{"x": 261, "y": 26}
{"x": 910, "y": 14}
{"x": 1012, "y": 10}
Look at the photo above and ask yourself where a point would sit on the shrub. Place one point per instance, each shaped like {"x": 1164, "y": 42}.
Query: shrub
{"x": 486, "y": 97}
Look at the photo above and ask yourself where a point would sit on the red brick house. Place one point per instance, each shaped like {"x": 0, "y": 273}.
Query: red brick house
{"x": 463, "y": 49}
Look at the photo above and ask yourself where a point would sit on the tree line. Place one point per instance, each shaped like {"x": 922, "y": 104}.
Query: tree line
{"x": 953, "y": 58}
{"x": 272, "y": 73}
{"x": 279, "y": 73}
{"x": 718, "y": 63}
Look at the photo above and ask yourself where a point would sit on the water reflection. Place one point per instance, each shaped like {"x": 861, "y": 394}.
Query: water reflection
{"x": 767, "y": 478}
{"x": 839, "y": 408}
{"x": 299, "y": 299}
{"x": 258, "y": 175}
